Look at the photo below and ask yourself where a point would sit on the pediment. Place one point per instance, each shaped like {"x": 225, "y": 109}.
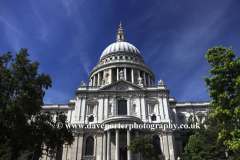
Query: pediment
{"x": 199, "y": 113}
{"x": 122, "y": 85}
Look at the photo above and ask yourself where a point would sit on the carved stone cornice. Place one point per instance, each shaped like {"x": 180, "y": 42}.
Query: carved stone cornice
{"x": 81, "y": 134}
{"x": 164, "y": 133}
{"x": 138, "y": 95}
{"x": 100, "y": 96}
{"x": 169, "y": 133}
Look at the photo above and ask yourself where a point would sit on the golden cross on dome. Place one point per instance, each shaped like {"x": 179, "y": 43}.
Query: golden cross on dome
{"x": 120, "y": 26}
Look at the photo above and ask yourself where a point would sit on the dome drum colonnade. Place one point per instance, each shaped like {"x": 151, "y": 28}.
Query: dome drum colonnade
{"x": 117, "y": 57}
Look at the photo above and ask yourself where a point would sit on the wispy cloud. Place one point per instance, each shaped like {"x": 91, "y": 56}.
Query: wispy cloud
{"x": 10, "y": 35}
{"x": 42, "y": 29}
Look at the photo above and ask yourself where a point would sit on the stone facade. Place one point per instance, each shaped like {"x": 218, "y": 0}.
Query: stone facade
{"x": 121, "y": 75}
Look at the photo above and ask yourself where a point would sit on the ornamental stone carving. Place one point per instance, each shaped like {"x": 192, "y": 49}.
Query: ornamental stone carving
{"x": 121, "y": 74}
{"x": 140, "y": 80}
{"x": 103, "y": 82}
{"x": 160, "y": 82}
{"x": 83, "y": 83}
{"x": 122, "y": 87}
{"x": 99, "y": 133}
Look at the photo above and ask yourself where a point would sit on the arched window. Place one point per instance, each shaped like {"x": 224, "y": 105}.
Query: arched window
{"x": 91, "y": 119}
{"x": 156, "y": 144}
{"x": 153, "y": 118}
{"x": 89, "y": 146}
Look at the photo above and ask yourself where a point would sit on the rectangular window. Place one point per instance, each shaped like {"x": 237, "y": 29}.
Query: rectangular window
{"x": 122, "y": 107}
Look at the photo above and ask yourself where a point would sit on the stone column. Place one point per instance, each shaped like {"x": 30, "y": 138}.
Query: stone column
{"x": 117, "y": 74}
{"x": 117, "y": 145}
{"x": 129, "y": 108}
{"x": 110, "y": 76}
{"x": 114, "y": 104}
{"x": 90, "y": 82}
{"x": 138, "y": 73}
{"x": 165, "y": 106}
{"x": 100, "y": 110}
{"x": 149, "y": 113}
{"x": 98, "y": 82}
{"x": 99, "y": 145}
{"x": 132, "y": 75}
{"x": 83, "y": 108}
{"x": 125, "y": 73}
{"x": 170, "y": 145}
{"x": 64, "y": 155}
{"x": 148, "y": 79}
{"x": 106, "y": 107}
{"x": 138, "y": 154}
{"x": 129, "y": 152}
{"x": 175, "y": 116}
{"x": 69, "y": 152}
{"x": 104, "y": 146}
{"x": 143, "y": 107}
{"x": 108, "y": 145}
{"x": 158, "y": 112}
{"x": 104, "y": 77}
{"x": 144, "y": 78}
{"x": 161, "y": 142}
{"x": 139, "y": 106}
{"x": 87, "y": 113}
{"x": 74, "y": 147}
{"x": 165, "y": 146}
{"x": 78, "y": 108}
{"x": 152, "y": 81}
{"x": 80, "y": 145}
{"x": 94, "y": 80}
{"x": 161, "y": 106}
{"x": 96, "y": 113}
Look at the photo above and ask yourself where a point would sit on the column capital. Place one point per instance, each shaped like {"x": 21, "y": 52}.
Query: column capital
{"x": 138, "y": 95}
{"x": 100, "y": 96}
{"x": 99, "y": 133}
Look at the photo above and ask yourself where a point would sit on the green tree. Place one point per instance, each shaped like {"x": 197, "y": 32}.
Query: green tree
{"x": 144, "y": 146}
{"x": 202, "y": 142}
{"x": 23, "y": 129}
{"x": 224, "y": 86}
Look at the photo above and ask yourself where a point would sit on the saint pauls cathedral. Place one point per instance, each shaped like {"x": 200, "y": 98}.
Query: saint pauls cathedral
{"x": 121, "y": 91}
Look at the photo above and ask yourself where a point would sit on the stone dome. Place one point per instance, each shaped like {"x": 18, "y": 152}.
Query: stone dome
{"x": 118, "y": 47}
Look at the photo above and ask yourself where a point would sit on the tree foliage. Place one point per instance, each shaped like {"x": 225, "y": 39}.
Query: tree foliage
{"x": 145, "y": 146}
{"x": 224, "y": 86}
{"x": 202, "y": 143}
{"x": 23, "y": 129}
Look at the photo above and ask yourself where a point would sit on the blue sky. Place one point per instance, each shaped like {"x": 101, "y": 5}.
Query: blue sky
{"x": 68, "y": 37}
